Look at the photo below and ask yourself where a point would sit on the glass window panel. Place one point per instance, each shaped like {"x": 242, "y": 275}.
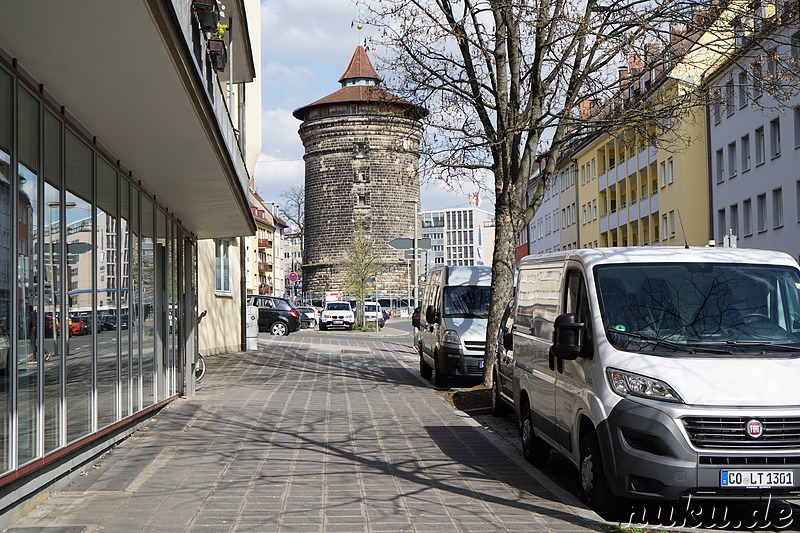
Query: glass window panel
{"x": 137, "y": 310}
{"x": 107, "y": 296}
{"x": 6, "y": 262}
{"x": 126, "y": 368}
{"x": 53, "y": 277}
{"x": 29, "y": 348}
{"x": 172, "y": 317}
{"x": 161, "y": 256}
{"x": 148, "y": 302}
{"x": 79, "y": 286}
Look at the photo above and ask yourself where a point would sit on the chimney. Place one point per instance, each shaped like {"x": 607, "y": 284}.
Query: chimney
{"x": 585, "y": 109}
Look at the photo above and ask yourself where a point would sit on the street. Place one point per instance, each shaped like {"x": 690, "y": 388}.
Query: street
{"x": 314, "y": 432}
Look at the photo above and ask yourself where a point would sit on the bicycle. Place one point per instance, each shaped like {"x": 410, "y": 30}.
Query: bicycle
{"x": 200, "y": 368}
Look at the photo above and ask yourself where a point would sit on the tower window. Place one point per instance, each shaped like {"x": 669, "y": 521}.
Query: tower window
{"x": 360, "y": 150}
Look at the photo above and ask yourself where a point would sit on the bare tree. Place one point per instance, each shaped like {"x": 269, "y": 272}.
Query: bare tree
{"x": 361, "y": 264}
{"x": 511, "y": 83}
{"x": 294, "y": 209}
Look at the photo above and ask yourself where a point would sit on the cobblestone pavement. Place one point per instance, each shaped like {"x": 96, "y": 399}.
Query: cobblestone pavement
{"x": 309, "y": 434}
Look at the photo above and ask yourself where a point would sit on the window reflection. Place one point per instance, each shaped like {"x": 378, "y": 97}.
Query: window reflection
{"x": 32, "y": 329}
{"x": 124, "y": 283}
{"x": 6, "y": 363}
{"x": 148, "y": 302}
{"x": 160, "y": 260}
{"x": 78, "y": 282}
{"x": 136, "y": 303}
{"x": 53, "y": 289}
{"x": 107, "y": 294}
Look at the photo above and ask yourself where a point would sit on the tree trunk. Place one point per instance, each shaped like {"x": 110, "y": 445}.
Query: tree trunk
{"x": 503, "y": 261}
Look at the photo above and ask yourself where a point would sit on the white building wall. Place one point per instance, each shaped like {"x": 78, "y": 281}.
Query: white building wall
{"x": 756, "y": 196}
{"x": 544, "y": 230}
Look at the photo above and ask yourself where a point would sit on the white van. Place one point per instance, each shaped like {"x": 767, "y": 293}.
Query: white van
{"x": 452, "y": 322}
{"x": 663, "y": 374}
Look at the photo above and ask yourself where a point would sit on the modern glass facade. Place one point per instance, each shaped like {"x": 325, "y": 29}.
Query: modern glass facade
{"x": 92, "y": 284}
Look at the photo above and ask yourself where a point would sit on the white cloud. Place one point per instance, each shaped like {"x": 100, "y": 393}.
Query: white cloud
{"x": 273, "y": 176}
{"x": 280, "y": 139}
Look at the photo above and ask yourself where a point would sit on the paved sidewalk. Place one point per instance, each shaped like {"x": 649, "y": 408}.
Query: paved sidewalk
{"x": 329, "y": 435}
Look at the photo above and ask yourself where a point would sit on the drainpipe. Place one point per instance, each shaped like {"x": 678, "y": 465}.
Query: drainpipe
{"x": 709, "y": 175}
{"x": 243, "y": 313}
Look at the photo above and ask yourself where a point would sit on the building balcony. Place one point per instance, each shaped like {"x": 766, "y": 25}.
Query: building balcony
{"x": 264, "y": 243}
{"x": 264, "y": 267}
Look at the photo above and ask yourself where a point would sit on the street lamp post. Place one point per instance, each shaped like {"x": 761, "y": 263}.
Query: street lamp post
{"x": 414, "y": 247}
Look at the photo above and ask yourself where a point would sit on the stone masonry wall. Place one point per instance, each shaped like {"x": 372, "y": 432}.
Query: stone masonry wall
{"x": 358, "y": 167}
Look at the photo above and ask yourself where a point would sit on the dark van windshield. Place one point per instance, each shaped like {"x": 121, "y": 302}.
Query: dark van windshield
{"x": 730, "y": 304}
{"x": 466, "y": 301}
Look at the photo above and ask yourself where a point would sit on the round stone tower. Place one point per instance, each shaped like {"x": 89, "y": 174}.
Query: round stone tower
{"x": 361, "y": 159}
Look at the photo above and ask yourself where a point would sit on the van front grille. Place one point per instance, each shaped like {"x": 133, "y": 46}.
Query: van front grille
{"x": 744, "y": 460}
{"x": 731, "y": 432}
{"x": 479, "y": 346}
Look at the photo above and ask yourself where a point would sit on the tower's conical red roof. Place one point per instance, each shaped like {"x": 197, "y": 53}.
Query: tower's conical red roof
{"x": 360, "y": 84}
{"x": 360, "y": 67}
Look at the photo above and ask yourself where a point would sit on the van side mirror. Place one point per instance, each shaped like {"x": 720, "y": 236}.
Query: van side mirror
{"x": 431, "y": 315}
{"x": 508, "y": 341}
{"x": 566, "y": 330}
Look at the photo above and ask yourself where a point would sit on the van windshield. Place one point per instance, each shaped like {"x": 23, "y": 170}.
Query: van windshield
{"x": 700, "y": 307}
{"x": 466, "y": 301}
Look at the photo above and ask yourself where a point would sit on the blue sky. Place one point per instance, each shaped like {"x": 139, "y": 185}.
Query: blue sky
{"x": 306, "y": 48}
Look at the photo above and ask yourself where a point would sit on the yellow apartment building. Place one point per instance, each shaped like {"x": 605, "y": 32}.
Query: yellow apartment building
{"x": 636, "y": 192}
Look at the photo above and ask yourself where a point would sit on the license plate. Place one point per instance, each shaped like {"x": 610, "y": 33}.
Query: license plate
{"x": 338, "y": 322}
{"x": 756, "y": 478}
{"x": 480, "y": 364}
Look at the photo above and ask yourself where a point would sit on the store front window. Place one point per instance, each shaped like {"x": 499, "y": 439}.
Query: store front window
{"x": 90, "y": 286}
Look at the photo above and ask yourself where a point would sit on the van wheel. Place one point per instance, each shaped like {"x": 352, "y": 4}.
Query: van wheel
{"x": 594, "y": 485}
{"x": 425, "y": 369}
{"x": 439, "y": 379}
{"x": 534, "y": 449}
{"x": 499, "y": 408}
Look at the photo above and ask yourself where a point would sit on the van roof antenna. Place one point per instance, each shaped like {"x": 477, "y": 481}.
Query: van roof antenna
{"x": 680, "y": 219}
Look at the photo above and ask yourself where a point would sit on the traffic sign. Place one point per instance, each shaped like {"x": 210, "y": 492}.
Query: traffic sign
{"x": 401, "y": 243}
{"x": 293, "y": 277}
{"x": 404, "y": 243}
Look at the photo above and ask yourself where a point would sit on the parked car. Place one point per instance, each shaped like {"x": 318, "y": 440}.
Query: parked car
{"x": 48, "y": 325}
{"x": 452, "y": 331}
{"x": 80, "y": 325}
{"x": 503, "y": 371}
{"x": 5, "y": 350}
{"x": 122, "y": 322}
{"x": 370, "y": 313}
{"x": 337, "y": 315}
{"x": 308, "y": 317}
{"x": 106, "y": 322}
{"x": 275, "y": 315}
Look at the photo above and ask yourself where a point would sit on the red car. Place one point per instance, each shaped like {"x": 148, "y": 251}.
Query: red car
{"x": 79, "y": 325}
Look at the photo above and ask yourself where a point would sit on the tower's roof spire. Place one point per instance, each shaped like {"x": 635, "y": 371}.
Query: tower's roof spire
{"x": 359, "y": 86}
{"x": 360, "y": 70}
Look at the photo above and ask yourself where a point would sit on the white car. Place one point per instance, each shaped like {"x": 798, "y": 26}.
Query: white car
{"x": 369, "y": 313}
{"x": 337, "y": 315}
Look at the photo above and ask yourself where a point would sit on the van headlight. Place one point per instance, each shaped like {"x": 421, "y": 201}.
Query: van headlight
{"x": 451, "y": 337}
{"x": 627, "y": 383}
